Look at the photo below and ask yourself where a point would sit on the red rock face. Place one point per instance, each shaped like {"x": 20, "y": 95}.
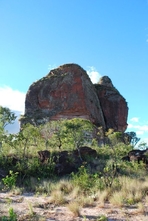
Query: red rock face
{"x": 113, "y": 105}
{"x": 67, "y": 92}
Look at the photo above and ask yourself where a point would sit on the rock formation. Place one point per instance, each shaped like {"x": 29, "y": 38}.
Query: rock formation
{"x": 113, "y": 104}
{"x": 67, "y": 92}
{"x": 62, "y": 160}
{"x": 137, "y": 155}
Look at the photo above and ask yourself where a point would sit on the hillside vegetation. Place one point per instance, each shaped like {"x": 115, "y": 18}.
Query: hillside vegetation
{"x": 97, "y": 177}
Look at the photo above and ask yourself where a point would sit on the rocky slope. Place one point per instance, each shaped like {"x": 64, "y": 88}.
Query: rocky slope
{"x": 67, "y": 92}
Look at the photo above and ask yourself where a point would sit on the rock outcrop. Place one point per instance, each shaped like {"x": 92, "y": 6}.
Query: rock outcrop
{"x": 137, "y": 155}
{"x": 66, "y": 162}
{"x": 67, "y": 92}
{"x": 113, "y": 104}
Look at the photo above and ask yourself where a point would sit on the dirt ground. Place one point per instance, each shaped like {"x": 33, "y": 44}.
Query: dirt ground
{"x": 32, "y": 207}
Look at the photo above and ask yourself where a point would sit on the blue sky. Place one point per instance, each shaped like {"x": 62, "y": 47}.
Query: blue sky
{"x": 105, "y": 37}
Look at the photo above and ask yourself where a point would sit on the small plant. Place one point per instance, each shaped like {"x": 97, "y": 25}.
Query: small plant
{"x": 141, "y": 208}
{"x": 12, "y": 216}
{"x": 102, "y": 218}
{"x": 101, "y": 197}
{"x": 74, "y": 207}
{"x": 117, "y": 198}
{"x": 83, "y": 179}
{"x": 31, "y": 212}
{"x": 109, "y": 174}
{"x": 57, "y": 197}
{"x": 10, "y": 180}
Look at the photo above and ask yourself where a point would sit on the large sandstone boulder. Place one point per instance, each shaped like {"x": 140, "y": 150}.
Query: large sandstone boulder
{"x": 67, "y": 92}
{"x": 113, "y": 104}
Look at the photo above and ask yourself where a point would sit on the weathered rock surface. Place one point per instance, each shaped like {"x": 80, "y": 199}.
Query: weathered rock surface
{"x": 137, "y": 155}
{"x": 67, "y": 162}
{"x": 67, "y": 92}
{"x": 113, "y": 104}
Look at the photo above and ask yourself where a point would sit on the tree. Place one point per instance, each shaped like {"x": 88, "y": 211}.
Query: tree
{"x": 27, "y": 137}
{"x": 78, "y": 132}
{"x": 115, "y": 138}
{"x": 132, "y": 137}
{"x": 53, "y": 131}
{"x": 6, "y": 117}
{"x": 74, "y": 133}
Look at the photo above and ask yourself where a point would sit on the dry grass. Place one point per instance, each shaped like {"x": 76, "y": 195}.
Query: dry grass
{"x": 117, "y": 199}
{"x": 76, "y": 191}
{"x": 146, "y": 199}
{"x": 101, "y": 197}
{"x": 141, "y": 208}
{"x": 64, "y": 185}
{"x": 132, "y": 191}
{"x": 74, "y": 207}
{"x": 85, "y": 201}
{"x": 16, "y": 191}
{"x": 44, "y": 187}
{"x": 57, "y": 197}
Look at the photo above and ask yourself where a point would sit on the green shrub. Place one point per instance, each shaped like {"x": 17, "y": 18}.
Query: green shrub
{"x": 10, "y": 180}
{"x": 12, "y": 216}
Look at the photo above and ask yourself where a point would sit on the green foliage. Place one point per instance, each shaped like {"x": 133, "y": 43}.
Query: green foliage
{"x": 79, "y": 131}
{"x": 12, "y": 216}
{"x": 133, "y": 138}
{"x": 26, "y": 138}
{"x": 10, "y": 180}
{"x": 109, "y": 174}
{"x": 53, "y": 133}
{"x": 82, "y": 179}
{"x": 67, "y": 133}
{"x": 6, "y": 117}
{"x": 86, "y": 181}
{"x": 102, "y": 218}
{"x": 46, "y": 170}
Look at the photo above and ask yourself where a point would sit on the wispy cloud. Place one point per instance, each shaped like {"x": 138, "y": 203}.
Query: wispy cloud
{"x": 13, "y": 99}
{"x": 139, "y": 132}
{"x": 140, "y": 129}
{"x": 134, "y": 119}
{"x": 93, "y": 74}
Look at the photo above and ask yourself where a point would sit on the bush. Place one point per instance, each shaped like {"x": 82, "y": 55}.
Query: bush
{"x": 10, "y": 180}
{"x": 12, "y": 216}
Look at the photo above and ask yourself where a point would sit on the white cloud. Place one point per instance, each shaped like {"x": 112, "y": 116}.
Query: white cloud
{"x": 139, "y": 132}
{"x": 13, "y": 99}
{"x": 93, "y": 74}
{"x": 134, "y": 119}
{"x": 143, "y": 128}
